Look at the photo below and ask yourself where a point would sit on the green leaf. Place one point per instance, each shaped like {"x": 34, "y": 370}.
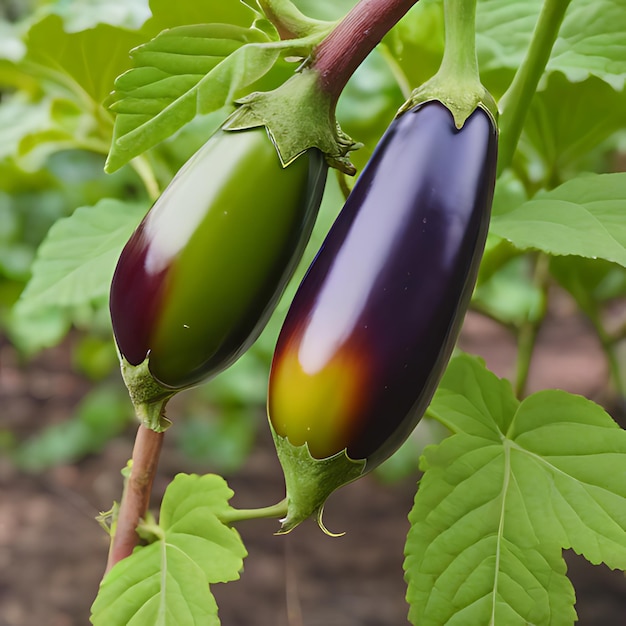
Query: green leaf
{"x": 14, "y": 76}
{"x": 472, "y": 400}
{"x": 591, "y": 40}
{"x": 69, "y": 127}
{"x": 167, "y": 582}
{"x": 562, "y": 135}
{"x": 182, "y": 72}
{"x": 509, "y": 193}
{"x": 18, "y": 118}
{"x": 129, "y": 14}
{"x": 168, "y": 14}
{"x": 584, "y": 217}
{"x": 501, "y": 498}
{"x": 601, "y": 50}
{"x": 87, "y": 61}
{"x": 75, "y": 262}
{"x": 36, "y": 329}
{"x": 62, "y": 80}
{"x": 591, "y": 282}
{"x": 32, "y": 130}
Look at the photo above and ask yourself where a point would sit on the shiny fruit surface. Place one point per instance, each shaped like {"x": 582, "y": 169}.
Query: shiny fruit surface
{"x": 374, "y": 321}
{"x": 200, "y": 276}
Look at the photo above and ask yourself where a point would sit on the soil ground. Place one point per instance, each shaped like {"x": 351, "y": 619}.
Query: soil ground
{"x": 52, "y": 552}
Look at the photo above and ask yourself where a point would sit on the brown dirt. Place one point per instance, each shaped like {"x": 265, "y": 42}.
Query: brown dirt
{"x": 52, "y": 552}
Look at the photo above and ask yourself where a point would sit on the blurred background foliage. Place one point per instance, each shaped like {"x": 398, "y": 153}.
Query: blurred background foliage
{"x": 58, "y": 62}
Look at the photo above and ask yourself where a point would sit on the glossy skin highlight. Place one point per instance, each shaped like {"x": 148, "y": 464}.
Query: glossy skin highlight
{"x": 200, "y": 276}
{"x": 389, "y": 287}
{"x": 320, "y": 405}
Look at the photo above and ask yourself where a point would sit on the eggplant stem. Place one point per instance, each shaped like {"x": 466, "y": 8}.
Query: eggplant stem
{"x": 277, "y": 511}
{"x": 459, "y": 62}
{"x": 337, "y": 57}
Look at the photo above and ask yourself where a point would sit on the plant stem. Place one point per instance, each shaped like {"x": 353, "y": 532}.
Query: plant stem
{"x": 143, "y": 169}
{"x": 277, "y": 511}
{"x": 457, "y": 81}
{"x": 344, "y": 187}
{"x": 288, "y": 20}
{"x": 396, "y": 70}
{"x": 459, "y": 53}
{"x": 515, "y": 103}
{"x": 526, "y": 339}
{"x": 527, "y": 333}
{"x": 608, "y": 345}
{"x": 337, "y": 57}
{"x": 136, "y": 496}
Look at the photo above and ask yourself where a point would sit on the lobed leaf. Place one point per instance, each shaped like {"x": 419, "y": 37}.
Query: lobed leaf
{"x": 75, "y": 263}
{"x": 591, "y": 282}
{"x": 596, "y": 49}
{"x": 590, "y": 41}
{"x": 583, "y": 217}
{"x": 562, "y": 134}
{"x": 472, "y": 400}
{"x": 87, "y": 61}
{"x": 167, "y": 582}
{"x": 500, "y": 499}
{"x": 182, "y": 72}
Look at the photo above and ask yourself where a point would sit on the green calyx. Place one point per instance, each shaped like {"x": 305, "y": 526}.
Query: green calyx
{"x": 310, "y": 481}
{"x": 298, "y": 116}
{"x": 147, "y": 395}
{"x": 460, "y": 99}
{"x": 457, "y": 82}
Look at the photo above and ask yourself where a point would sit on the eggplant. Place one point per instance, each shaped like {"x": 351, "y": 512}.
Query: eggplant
{"x": 199, "y": 278}
{"x": 376, "y": 317}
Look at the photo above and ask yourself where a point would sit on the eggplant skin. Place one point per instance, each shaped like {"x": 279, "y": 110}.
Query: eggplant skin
{"x": 374, "y": 321}
{"x": 201, "y": 275}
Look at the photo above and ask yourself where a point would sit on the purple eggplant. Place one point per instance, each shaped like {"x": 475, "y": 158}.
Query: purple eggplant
{"x": 375, "y": 319}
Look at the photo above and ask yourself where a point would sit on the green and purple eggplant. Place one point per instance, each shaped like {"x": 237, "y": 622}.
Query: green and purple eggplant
{"x": 200, "y": 276}
{"x": 374, "y": 321}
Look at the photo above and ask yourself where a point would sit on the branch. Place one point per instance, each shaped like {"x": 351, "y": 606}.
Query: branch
{"x": 136, "y": 496}
{"x": 337, "y": 57}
